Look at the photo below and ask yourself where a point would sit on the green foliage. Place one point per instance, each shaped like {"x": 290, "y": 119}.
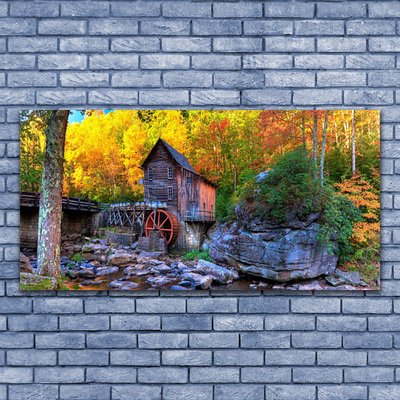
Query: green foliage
{"x": 197, "y": 255}
{"x": 77, "y": 257}
{"x": 45, "y": 284}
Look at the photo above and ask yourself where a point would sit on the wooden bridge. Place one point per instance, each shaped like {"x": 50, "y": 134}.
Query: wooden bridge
{"x": 68, "y": 203}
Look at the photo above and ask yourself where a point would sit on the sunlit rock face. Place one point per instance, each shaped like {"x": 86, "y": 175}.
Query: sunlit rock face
{"x": 265, "y": 249}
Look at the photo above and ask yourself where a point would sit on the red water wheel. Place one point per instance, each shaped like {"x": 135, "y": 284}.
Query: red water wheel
{"x": 165, "y": 222}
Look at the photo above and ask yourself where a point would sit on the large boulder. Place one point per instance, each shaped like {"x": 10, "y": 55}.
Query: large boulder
{"x": 266, "y": 250}
{"x": 25, "y": 265}
{"x": 220, "y": 274}
{"x": 121, "y": 259}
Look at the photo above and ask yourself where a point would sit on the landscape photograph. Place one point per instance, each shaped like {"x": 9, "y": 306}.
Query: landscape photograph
{"x": 200, "y": 200}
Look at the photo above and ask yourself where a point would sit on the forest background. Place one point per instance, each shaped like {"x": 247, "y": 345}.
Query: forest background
{"x": 103, "y": 155}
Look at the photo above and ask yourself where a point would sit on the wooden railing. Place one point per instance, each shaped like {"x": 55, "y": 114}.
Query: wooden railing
{"x": 199, "y": 216}
{"x": 68, "y": 203}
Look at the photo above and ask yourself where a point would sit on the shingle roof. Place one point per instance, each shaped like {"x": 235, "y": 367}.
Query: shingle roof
{"x": 178, "y": 157}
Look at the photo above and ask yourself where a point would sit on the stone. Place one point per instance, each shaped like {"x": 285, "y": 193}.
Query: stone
{"x": 106, "y": 271}
{"x": 176, "y": 287}
{"x": 153, "y": 254}
{"x": 352, "y": 278}
{"x": 84, "y": 273}
{"x": 121, "y": 259}
{"x": 313, "y": 285}
{"x": 160, "y": 280}
{"x": 123, "y": 285}
{"x": 25, "y": 265}
{"x": 199, "y": 281}
{"x": 153, "y": 243}
{"x": 160, "y": 269}
{"x": 88, "y": 282}
{"x": 220, "y": 274}
{"x": 37, "y": 282}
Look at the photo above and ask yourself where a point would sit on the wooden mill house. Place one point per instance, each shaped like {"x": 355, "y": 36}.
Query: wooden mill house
{"x": 190, "y": 198}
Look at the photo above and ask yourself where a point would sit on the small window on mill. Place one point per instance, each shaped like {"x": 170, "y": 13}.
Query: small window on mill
{"x": 189, "y": 180}
{"x": 169, "y": 172}
{"x": 170, "y": 192}
{"x": 150, "y": 174}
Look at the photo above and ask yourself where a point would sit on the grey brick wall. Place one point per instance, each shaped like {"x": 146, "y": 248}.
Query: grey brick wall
{"x": 199, "y": 345}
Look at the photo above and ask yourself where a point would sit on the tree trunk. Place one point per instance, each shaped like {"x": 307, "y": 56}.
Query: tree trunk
{"x": 353, "y": 142}
{"x": 315, "y": 149}
{"x": 49, "y": 227}
{"x": 321, "y": 170}
{"x": 304, "y": 131}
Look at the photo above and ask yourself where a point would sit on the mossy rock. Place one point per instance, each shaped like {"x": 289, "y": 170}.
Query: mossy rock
{"x": 37, "y": 282}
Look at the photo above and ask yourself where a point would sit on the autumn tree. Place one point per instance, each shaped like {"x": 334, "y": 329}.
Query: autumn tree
{"x": 49, "y": 227}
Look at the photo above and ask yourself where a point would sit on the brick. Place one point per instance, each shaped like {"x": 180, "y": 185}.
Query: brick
{"x": 314, "y": 375}
{"x": 135, "y": 322}
{"x": 317, "y": 27}
{"x": 369, "y": 62}
{"x": 290, "y": 392}
{"x": 135, "y": 44}
{"x": 59, "y": 375}
{"x": 179, "y": 9}
{"x": 289, "y": 44}
{"x": 214, "y": 340}
{"x": 163, "y": 340}
{"x": 84, "y": 323}
{"x": 288, "y": 10}
{"x": 342, "y": 358}
{"x": 36, "y": 9}
{"x": 264, "y": 305}
{"x": 90, "y": 45}
{"x": 387, "y": 323}
{"x": 19, "y": 26}
{"x": 317, "y": 96}
{"x": 217, "y": 97}
{"x": 261, "y": 375}
{"x": 368, "y": 374}
{"x": 136, "y": 392}
{"x": 85, "y": 9}
{"x": 342, "y": 78}
{"x": 32, "y": 79}
{"x": 32, "y": 44}
{"x": 179, "y": 392}
{"x": 384, "y": 357}
{"x": 344, "y": 11}
{"x": 242, "y": 323}
{"x": 384, "y": 78}
{"x": 83, "y": 79}
{"x": 165, "y": 28}
{"x": 32, "y": 358}
{"x": 61, "y": 61}
{"x": 32, "y": 323}
{"x": 61, "y": 27}
{"x": 342, "y": 323}
{"x": 319, "y": 61}
{"x": 57, "y": 306}
{"x": 290, "y": 357}
{"x": 269, "y": 27}
{"x": 384, "y": 10}
{"x": 216, "y": 27}
{"x": 32, "y": 391}
{"x": 367, "y": 306}
{"x": 18, "y": 306}
{"x": 61, "y": 97}
{"x": 344, "y": 392}
{"x": 16, "y": 340}
{"x": 83, "y": 357}
{"x": 368, "y": 97}
{"x": 387, "y": 44}
{"x": 177, "y": 97}
{"x": 100, "y": 306}
{"x": 187, "y": 79}
{"x": 237, "y": 45}
{"x": 387, "y": 134}
{"x": 367, "y": 341}
{"x": 98, "y": 392}
{"x": 238, "y": 357}
{"x": 267, "y": 340}
{"x": 17, "y": 61}
{"x": 162, "y": 375}
{"x": 212, "y": 305}
{"x": 186, "y": 357}
{"x": 216, "y": 62}
{"x": 12, "y": 151}
{"x": 16, "y": 375}
{"x": 214, "y": 375}
{"x": 233, "y": 392}
{"x": 164, "y": 61}
{"x": 289, "y": 79}
{"x": 135, "y": 357}
{"x": 241, "y": 10}
{"x": 110, "y": 375}
{"x": 289, "y": 323}
{"x": 341, "y": 45}
{"x": 308, "y": 305}
{"x": 194, "y": 45}
{"x": 113, "y": 27}
{"x": 3, "y": 9}
{"x": 239, "y": 80}
{"x": 113, "y": 61}
{"x": 113, "y": 97}
{"x": 140, "y": 9}
{"x": 273, "y": 97}
{"x": 373, "y": 28}
{"x": 187, "y": 323}
{"x": 321, "y": 340}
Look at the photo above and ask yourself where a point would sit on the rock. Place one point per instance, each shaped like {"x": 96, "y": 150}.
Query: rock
{"x": 84, "y": 273}
{"x": 160, "y": 280}
{"x": 352, "y": 278}
{"x": 77, "y": 248}
{"x": 161, "y": 269}
{"x": 253, "y": 287}
{"x": 153, "y": 254}
{"x": 106, "y": 271}
{"x": 262, "y": 175}
{"x": 88, "y": 282}
{"x": 121, "y": 259}
{"x": 185, "y": 284}
{"x": 142, "y": 273}
{"x": 262, "y": 249}
{"x": 342, "y": 287}
{"x": 220, "y": 274}
{"x": 176, "y": 287}
{"x": 123, "y": 285}
{"x": 314, "y": 285}
{"x": 156, "y": 262}
{"x": 25, "y": 265}
{"x": 199, "y": 281}
{"x": 36, "y": 282}
{"x": 133, "y": 246}
{"x": 153, "y": 243}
